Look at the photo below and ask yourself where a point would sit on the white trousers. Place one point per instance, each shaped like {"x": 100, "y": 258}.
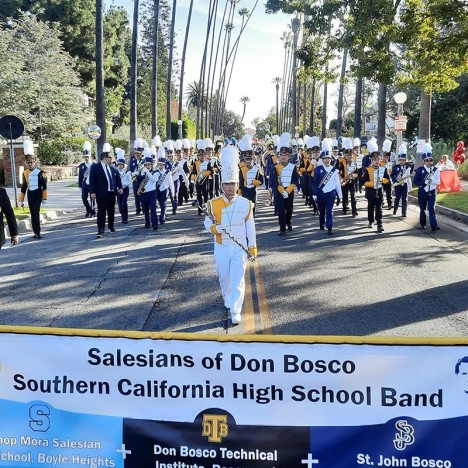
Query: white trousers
{"x": 231, "y": 261}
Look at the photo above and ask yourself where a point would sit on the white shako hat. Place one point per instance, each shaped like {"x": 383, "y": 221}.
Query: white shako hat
{"x": 120, "y": 154}
{"x": 229, "y": 164}
{"x": 156, "y": 141}
{"x": 28, "y": 148}
{"x": 326, "y": 148}
{"x": 153, "y": 150}
{"x": 201, "y": 144}
{"x": 372, "y": 146}
{"x": 208, "y": 143}
{"x": 387, "y": 146}
{"x": 402, "y": 151}
{"x": 87, "y": 148}
{"x": 293, "y": 142}
{"x": 178, "y": 145}
{"x": 300, "y": 142}
{"x": 147, "y": 156}
{"x": 284, "y": 141}
{"x": 186, "y": 143}
{"x": 106, "y": 148}
{"x": 169, "y": 144}
{"x": 245, "y": 144}
{"x": 275, "y": 139}
{"x": 334, "y": 144}
{"x": 161, "y": 154}
{"x": 347, "y": 144}
{"x": 313, "y": 141}
{"x": 426, "y": 151}
{"x": 357, "y": 143}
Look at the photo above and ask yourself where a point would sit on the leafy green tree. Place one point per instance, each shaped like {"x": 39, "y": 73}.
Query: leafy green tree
{"x": 233, "y": 126}
{"x": 39, "y": 82}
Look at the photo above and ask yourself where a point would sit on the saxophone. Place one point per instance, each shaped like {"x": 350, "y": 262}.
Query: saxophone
{"x": 141, "y": 188}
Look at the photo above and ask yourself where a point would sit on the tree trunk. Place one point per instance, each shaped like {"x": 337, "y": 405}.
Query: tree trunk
{"x": 304, "y": 113}
{"x": 154, "y": 72}
{"x": 181, "y": 92}
{"x": 424, "y": 132}
{"x": 382, "y": 103}
{"x": 358, "y": 109}
{"x": 133, "y": 75}
{"x": 339, "y": 119}
{"x": 324, "y": 108}
{"x": 277, "y": 110}
{"x": 312, "y": 109}
{"x": 169, "y": 74}
{"x": 100, "y": 98}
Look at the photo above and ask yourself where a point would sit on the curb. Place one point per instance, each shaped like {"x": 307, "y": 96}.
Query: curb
{"x": 453, "y": 214}
{"x": 24, "y": 225}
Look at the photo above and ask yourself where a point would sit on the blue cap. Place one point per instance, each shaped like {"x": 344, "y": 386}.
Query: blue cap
{"x": 161, "y": 159}
{"x": 226, "y": 142}
{"x": 147, "y": 160}
{"x": 233, "y": 141}
{"x": 120, "y": 161}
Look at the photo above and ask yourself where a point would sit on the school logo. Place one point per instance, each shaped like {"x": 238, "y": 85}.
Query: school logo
{"x": 215, "y": 427}
{"x": 404, "y": 435}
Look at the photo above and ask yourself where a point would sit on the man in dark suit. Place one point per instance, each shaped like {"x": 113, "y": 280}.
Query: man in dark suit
{"x": 104, "y": 183}
{"x": 7, "y": 210}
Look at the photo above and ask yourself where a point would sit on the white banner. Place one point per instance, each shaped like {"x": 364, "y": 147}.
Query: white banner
{"x": 97, "y": 398}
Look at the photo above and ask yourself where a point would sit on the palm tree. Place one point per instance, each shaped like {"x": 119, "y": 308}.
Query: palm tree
{"x": 194, "y": 95}
{"x": 277, "y": 81}
{"x": 100, "y": 98}
{"x": 358, "y": 109}
{"x": 154, "y": 72}
{"x": 181, "y": 92}
{"x": 133, "y": 75}
{"x": 244, "y": 100}
{"x": 169, "y": 74}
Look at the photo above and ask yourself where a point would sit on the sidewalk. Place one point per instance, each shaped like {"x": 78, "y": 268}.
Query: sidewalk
{"x": 62, "y": 199}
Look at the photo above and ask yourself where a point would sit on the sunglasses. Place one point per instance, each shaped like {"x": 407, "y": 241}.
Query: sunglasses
{"x": 429, "y": 159}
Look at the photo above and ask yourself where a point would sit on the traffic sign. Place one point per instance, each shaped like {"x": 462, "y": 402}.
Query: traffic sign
{"x": 400, "y": 123}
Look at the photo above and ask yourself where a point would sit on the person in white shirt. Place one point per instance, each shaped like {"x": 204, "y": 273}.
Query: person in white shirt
{"x": 164, "y": 187}
{"x": 230, "y": 219}
{"x": 445, "y": 164}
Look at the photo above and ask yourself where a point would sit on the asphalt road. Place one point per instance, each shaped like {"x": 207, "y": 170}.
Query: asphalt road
{"x": 403, "y": 282}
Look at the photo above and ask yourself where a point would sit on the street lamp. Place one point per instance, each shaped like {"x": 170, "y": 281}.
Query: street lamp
{"x": 400, "y": 99}
{"x": 179, "y": 129}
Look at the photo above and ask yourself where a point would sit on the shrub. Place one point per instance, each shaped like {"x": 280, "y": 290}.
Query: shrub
{"x": 463, "y": 171}
{"x": 61, "y": 151}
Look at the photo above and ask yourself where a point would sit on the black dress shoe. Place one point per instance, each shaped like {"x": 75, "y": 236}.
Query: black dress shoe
{"x": 422, "y": 227}
{"x": 322, "y": 227}
{"x": 330, "y": 232}
{"x": 155, "y": 228}
{"x": 87, "y": 215}
{"x": 111, "y": 229}
{"x": 369, "y": 225}
{"x": 147, "y": 226}
{"x": 289, "y": 227}
{"x": 282, "y": 233}
{"x": 99, "y": 235}
{"x": 37, "y": 236}
{"x": 380, "y": 228}
{"x": 355, "y": 213}
{"x": 435, "y": 228}
{"x": 138, "y": 212}
{"x": 403, "y": 215}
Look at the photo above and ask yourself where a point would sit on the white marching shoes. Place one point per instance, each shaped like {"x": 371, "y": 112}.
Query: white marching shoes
{"x": 236, "y": 319}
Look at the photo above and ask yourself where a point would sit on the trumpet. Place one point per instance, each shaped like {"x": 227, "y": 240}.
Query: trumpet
{"x": 200, "y": 180}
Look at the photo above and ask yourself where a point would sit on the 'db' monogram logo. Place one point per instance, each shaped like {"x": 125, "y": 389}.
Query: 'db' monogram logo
{"x": 215, "y": 427}
{"x": 404, "y": 436}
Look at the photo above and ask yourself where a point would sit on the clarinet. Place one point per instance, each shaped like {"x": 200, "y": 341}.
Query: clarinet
{"x": 250, "y": 256}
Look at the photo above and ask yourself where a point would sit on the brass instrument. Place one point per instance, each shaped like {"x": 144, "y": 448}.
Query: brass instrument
{"x": 141, "y": 188}
{"x": 401, "y": 180}
{"x": 200, "y": 180}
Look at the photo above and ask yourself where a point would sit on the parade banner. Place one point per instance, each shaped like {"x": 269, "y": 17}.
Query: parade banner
{"x": 71, "y": 398}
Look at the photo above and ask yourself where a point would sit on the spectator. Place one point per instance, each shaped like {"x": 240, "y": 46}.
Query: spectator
{"x": 7, "y": 210}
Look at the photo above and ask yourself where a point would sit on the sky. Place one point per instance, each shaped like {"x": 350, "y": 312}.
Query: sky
{"x": 259, "y": 57}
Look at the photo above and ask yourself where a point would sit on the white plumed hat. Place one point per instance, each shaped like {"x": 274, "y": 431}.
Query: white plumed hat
{"x": 229, "y": 164}
{"x": 275, "y": 139}
{"x": 186, "y": 143}
{"x": 87, "y": 148}
{"x": 347, "y": 144}
{"x": 178, "y": 145}
{"x": 119, "y": 154}
{"x": 156, "y": 141}
{"x": 106, "y": 148}
{"x": 356, "y": 142}
{"x": 426, "y": 150}
{"x": 208, "y": 143}
{"x": 284, "y": 141}
{"x": 402, "y": 150}
{"x": 313, "y": 141}
{"x": 201, "y": 144}
{"x": 28, "y": 148}
{"x": 245, "y": 144}
{"x": 387, "y": 146}
{"x": 372, "y": 146}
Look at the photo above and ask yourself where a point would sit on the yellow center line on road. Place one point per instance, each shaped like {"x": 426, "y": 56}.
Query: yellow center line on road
{"x": 249, "y": 313}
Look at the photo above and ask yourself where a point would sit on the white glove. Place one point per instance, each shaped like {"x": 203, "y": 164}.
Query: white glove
{"x": 314, "y": 197}
{"x": 221, "y": 228}
{"x": 285, "y": 194}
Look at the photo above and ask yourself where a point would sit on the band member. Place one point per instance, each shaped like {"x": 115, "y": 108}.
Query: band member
{"x": 104, "y": 184}
{"x": 348, "y": 174}
{"x": 427, "y": 178}
{"x": 270, "y": 159}
{"x": 209, "y": 150}
{"x": 216, "y": 166}
{"x": 365, "y": 150}
{"x": 35, "y": 183}
{"x": 83, "y": 180}
{"x": 179, "y": 177}
{"x": 135, "y": 165}
{"x": 401, "y": 178}
{"x": 327, "y": 187}
{"x": 147, "y": 189}
{"x": 202, "y": 171}
{"x": 185, "y": 188}
{"x": 283, "y": 182}
{"x": 230, "y": 219}
{"x": 387, "y": 188}
{"x": 126, "y": 179}
{"x": 250, "y": 177}
{"x": 7, "y": 210}
{"x": 164, "y": 187}
{"x": 374, "y": 176}
{"x": 357, "y": 158}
